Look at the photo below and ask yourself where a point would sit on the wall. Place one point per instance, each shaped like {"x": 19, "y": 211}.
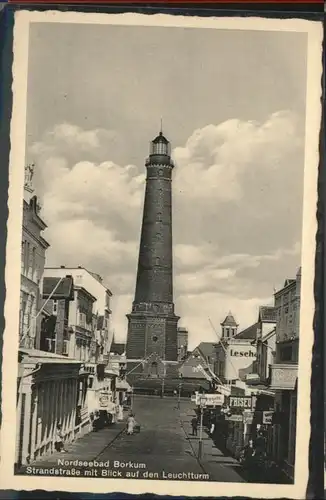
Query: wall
{"x": 32, "y": 265}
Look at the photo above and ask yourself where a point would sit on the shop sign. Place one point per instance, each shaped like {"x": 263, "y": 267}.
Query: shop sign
{"x": 248, "y": 417}
{"x": 240, "y": 402}
{"x": 211, "y": 399}
{"x": 104, "y": 399}
{"x": 234, "y": 418}
{"x": 267, "y": 417}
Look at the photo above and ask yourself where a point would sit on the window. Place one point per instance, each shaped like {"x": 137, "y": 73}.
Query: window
{"x": 55, "y": 308}
{"x": 159, "y": 217}
{"x": 286, "y": 353}
{"x": 157, "y": 261}
{"x": 33, "y": 263}
{"x": 160, "y": 173}
{"x": 154, "y": 369}
{"x": 154, "y": 338}
{"x": 23, "y": 257}
{"x": 26, "y": 258}
{"x": 65, "y": 347}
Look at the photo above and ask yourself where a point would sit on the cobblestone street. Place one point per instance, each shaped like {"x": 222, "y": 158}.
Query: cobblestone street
{"x": 163, "y": 448}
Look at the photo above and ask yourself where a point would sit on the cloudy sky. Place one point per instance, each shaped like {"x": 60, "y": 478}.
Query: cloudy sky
{"x": 233, "y": 107}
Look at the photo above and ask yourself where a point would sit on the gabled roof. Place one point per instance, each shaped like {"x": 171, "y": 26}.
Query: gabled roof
{"x": 229, "y": 320}
{"x": 269, "y": 335}
{"x": 117, "y": 348}
{"x": 206, "y": 349}
{"x": 64, "y": 291}
{"x": 267, "y": 314}
{"x": 248, "y": 333}
{"x": 288, "y": 282}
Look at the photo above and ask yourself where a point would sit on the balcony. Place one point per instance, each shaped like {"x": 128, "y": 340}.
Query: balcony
{"x": 283, "y": 376}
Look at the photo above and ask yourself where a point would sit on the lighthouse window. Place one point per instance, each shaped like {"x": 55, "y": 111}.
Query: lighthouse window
{"x": 159, "y": 217}
{"x": 160, "y": 173}
{"x": 155, "y": 338}
{"x": 157, "y": 261}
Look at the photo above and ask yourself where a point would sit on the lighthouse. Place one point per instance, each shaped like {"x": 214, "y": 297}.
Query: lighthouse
{"x": 152, "y": 323}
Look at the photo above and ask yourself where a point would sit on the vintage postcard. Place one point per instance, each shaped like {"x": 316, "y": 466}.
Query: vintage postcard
{"x": 160, "y": 254}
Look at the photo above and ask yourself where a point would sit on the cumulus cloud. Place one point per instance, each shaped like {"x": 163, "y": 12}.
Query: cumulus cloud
{"x": 237, "y": 196}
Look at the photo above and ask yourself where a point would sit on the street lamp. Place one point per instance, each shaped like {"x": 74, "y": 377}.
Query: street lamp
{"x": 200, "y": 444}
{"x": 179, "y": 394}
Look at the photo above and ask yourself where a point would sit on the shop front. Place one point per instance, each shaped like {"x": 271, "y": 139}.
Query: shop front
{"x": 284, "y": 382}
{"x": 46, "y": 397}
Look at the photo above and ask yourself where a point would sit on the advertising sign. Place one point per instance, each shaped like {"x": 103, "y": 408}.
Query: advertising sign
{"x": 104, "y": 399}
{"x": 267, "y": 417}
{"x": 234, "y": 418}
{"x": 213, "y": 399}
{"x": 248, "y": 417}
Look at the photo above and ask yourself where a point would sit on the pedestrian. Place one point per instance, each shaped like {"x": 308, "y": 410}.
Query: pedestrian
{"x": 131, "y": 422}
{"x": 194, "y": 425}
{"x": 212, "y": 429}
{"x": 247, "y": 457}
{"x": 58, "y": 440}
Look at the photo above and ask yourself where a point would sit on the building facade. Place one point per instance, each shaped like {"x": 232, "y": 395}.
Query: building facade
{"x": 236, "y": 355}
{"x": 33, "y": 251}
{"x": 182, "y": 343}
{"x": 229, "y": 327}
{"x": 152, "y": 323}
{"x": 284, "y": 372}
{"x": 100, "y": 324}
{"x": 48, "y": 392}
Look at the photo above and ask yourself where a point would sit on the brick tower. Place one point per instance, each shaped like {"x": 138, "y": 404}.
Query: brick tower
{"x": 152, "y": 324}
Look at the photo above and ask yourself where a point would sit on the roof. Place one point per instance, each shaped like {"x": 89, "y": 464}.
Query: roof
{"x": 117, "y": 348}
{"x": 63, "y": 291}
{"x": 207, "y": 349}
{"x": 229, "y": 320}
{"x": 267, "y": 314}
{"x": 160, "y": 138}
{"x": 37, "y": 356}
{"x": 96, "y": 276}
{"x": 248, "y": 333}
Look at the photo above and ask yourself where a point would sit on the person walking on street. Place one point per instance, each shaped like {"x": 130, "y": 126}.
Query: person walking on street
{"x": 58, "y": 440}
{"x": 194, "y": 425}
{"x": 131, "y": 422}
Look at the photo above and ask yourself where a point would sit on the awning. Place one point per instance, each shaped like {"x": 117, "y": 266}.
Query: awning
{"x": 122, "y": 385}
{"x": 111, "y": 373}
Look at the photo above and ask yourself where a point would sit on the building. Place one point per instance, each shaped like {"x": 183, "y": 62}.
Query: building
{"x": 195, "y": 371}
{"x": 284, "y": 372}
{"x": 100, "y": 295}
{"x": 86, "y": 338}
{"x": 266, "y": 341}
{"x": 229, "y": 327}
{"x": 182, "y": 343}
{"x": 48, "y": 394}
{"x": 152, "y": 323}
{"x": 235, "y": 355}
{"x": 55, "y": 335}
{"x": 33, "y": 251}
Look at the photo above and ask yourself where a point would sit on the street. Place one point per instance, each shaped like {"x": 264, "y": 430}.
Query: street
{"x": 163, "y": 449}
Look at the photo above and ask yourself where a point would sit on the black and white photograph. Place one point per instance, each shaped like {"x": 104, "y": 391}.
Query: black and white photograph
{"x": 160, "y": 254}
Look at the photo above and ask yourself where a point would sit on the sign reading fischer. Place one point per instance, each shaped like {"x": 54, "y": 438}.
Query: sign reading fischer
{"x": 240, "y": 402}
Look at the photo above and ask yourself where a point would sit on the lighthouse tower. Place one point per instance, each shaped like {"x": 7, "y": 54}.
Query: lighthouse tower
{"x": 152, "y": 323}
